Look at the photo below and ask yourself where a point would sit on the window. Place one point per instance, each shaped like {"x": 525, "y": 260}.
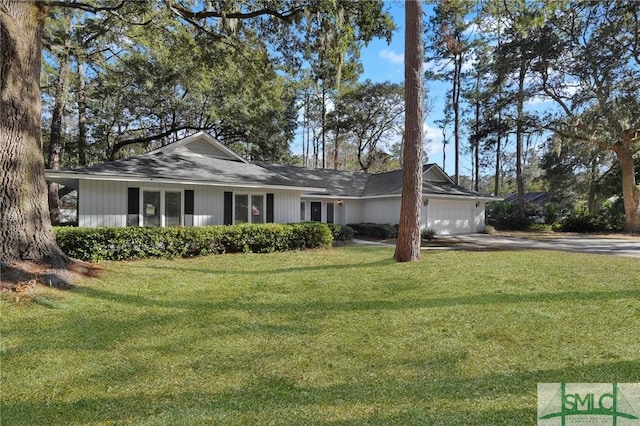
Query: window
{"x": 257, "y": 209}
{"x": 302, "y": 211}
{"x": 249, "y": 208}
{"x": 172, "y": 208}
{"x": 242, "y": 208}
{"x": 151, "y": 208}
{"x": 329, "y": 212}
{"x": 161, "y": 208}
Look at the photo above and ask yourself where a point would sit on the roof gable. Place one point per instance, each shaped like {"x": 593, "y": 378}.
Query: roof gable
{"x": 434, "y": 173}
{"x": 202, "y": 144}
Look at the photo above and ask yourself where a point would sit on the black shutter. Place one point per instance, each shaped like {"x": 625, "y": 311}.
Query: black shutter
{"x": 228, "y": 208}
{"x": 269, "y": 208}
{"x": 188, "y": 201}
{"x": 134, "y": 201}
{"x": 133, "y": 206}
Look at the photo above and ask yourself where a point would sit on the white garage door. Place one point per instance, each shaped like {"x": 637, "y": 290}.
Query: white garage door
{"x": 450, "y": 217}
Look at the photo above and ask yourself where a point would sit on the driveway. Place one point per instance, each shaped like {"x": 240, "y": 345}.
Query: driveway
{"x": 629, "y": 247}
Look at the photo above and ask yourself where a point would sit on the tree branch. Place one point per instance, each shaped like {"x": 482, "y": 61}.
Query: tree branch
{"x": 84, "y": 6}
{"x": 188, "y": 14}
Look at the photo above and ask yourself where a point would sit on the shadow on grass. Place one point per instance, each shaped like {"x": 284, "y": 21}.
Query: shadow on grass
{"x": 263, "y": 270}
{"x": 361, "y": 305}
{"x": 267, "y": 398}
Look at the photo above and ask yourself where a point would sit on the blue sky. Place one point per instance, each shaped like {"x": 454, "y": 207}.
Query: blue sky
{"x": 385, "y": 62}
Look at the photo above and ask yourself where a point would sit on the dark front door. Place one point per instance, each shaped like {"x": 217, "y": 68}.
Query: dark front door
{"x": 316, "y": 211}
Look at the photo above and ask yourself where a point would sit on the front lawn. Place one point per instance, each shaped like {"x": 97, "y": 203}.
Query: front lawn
{"x": 343, "y": 336}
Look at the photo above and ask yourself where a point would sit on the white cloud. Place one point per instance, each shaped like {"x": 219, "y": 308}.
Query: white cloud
{"x": 432, "y": 137}
{"x": 391, "y": 56}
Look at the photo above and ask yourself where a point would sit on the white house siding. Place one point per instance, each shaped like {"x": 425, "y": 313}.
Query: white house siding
{"x": 202, "y": 147}
{"x": 479, "y": 216}
{"x": 450, "y": 217}
{"x": 350, "y": 212}
{"x": 286, "y": 206}
{"x": 104, "y": 203}
{"x": 381, "y": 210}
{"x": 208, "y": 205}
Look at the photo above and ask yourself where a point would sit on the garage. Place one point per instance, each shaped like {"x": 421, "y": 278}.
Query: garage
{"x": 449, "y": 216}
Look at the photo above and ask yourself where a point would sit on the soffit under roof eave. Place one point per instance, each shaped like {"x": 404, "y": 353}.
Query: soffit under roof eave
{"x": 50, "y": 175}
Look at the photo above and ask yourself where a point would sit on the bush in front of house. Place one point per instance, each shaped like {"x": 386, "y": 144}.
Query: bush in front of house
{"x": 99, "y": 244}
{"x": 380, "y": 231}
{"x": 506, "y": 216}
{"x": 341, "y": 233}
{"x": 428, "y": 234}
{"x": 609, "y": 218}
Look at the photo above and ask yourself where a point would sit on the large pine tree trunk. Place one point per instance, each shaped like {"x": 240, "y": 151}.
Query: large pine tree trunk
{"x": 457, "y": 76}
{"x": 630, "y": 190}
{"x": 25, "y": 227}
{"x": 408, "y": 245}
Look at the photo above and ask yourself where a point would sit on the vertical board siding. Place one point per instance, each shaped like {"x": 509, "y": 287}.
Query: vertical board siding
{"x": 105, "y": 203}
{"x": 286, "y": 206}
{"x": 352, "y": 211}
{"x": 208, "y": 206}
{"x": 479, "y": 217}
{"x": 102, "y": 203}
{"x": 381, "y": 210}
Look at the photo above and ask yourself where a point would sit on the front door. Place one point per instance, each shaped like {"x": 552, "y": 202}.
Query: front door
{"x": 316, "y": 211}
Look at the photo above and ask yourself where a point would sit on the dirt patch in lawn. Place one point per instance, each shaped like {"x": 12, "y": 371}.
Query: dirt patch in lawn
{"x": 20, "y": 276}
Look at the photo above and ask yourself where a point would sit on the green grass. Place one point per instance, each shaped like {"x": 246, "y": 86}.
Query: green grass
{"x": 343, "y": 336}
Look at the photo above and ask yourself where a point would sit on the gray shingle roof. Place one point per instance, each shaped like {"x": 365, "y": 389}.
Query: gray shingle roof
{"x": 359, "y": 184}
{"x": 337, "y": 182}
{"x": 529, "y": 197}
{"x": 197, "y": 168}
{"x": 179, "y": 165}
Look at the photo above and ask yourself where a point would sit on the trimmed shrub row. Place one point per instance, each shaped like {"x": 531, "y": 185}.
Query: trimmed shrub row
{"x": 99, "y": 244}
{"x": 341, "y": 233}
{"x": 381, "y": 231}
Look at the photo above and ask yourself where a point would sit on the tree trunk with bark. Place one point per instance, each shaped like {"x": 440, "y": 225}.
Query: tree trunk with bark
{"x": 25, "y": 227}
{"x": 457, "y": 73}
{"x": 408, "y": 244}
{"x": 630, "y": 189}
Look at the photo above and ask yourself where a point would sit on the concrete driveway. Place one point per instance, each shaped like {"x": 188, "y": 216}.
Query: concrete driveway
{"x": 575, "y": 243}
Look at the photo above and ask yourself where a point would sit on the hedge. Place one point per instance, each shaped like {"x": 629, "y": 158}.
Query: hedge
{"x": 341, "y": 233}
{"x": 99, "y": 244}
{"x": 375, "y": 230}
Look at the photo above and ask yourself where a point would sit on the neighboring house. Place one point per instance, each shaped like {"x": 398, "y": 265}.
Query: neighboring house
{"x": 198, "y": 181}
{"x": 537, "y": 198}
